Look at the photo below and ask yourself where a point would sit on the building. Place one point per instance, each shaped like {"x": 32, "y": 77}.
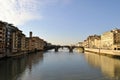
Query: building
{"x": 92, "y": 41}
{"x": 35, "y": 43}
{"x": 2, "y": 37}
{"x": 12, "y": 40}
{"x": 111, "y": 39}
{"x": 85, "y": 43}
{"x": 15, "y": 39}
{"x": 27, "y": 43}
{"x": 97, "y": 42}
{"x": 23, "y": 42}
{"x": 116, "y": 45}
{"x": 79, "y": 44}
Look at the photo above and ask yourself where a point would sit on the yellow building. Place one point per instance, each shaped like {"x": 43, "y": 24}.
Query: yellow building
{"x": 79, "y": 44}
{"x": 85, "y": 43}
{"x": 107, "y": 40}
{"x": 12, "y": 40}
{"x": 41, "y": 44}
{"x": 15, "y": 40}
{"x": 92, "y": 41}
{"x": 23, "y": 48}
{"x": 35, "y": 43}
{"x": 111, "y": 39}
{"x": 116, "y": 45}
{"x": 97, "y": 42}
{"x": 27, "y": 43}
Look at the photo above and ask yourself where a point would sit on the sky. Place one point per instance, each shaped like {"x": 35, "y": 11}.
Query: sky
{"x": 62, "y": 21}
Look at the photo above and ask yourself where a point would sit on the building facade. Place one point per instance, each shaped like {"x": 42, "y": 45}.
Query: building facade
{"x": 79, "y": 44}
{"x": 12, "y": 40}
{"x": 111, "y": 40}
{"x": 2, "y": 37}
{"x": 35, "y": 43}
{"x": 27, "y": 40}
{"x": 23, "y": 42}
{"x": 92, "y": 41}
{"x": 97, "y": 42}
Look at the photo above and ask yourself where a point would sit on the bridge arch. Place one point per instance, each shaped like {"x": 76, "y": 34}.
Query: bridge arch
{"x": 70, "y": 48}
{"x": 56, "y": 48}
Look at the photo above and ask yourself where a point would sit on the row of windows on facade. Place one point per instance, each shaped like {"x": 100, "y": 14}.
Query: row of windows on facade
{"x": 12, "y": 37}
{"x": 110, "y": 39}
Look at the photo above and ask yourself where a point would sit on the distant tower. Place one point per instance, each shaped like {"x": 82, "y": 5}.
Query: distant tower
{"x": 30, "y": 34}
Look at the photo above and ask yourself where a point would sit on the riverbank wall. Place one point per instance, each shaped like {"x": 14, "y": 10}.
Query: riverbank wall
{"x": 8, "y": 55}
{"x": 2, "y": 56}
{"x": 111, "y": 53}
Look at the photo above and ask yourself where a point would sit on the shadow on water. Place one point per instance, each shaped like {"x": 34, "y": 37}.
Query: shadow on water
{"x": 12, "y": 68}
{"x": 110, "y": 67}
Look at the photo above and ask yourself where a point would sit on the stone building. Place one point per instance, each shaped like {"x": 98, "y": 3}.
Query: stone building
{"x": 23, "y": 42}
{"x": 35, "y": 43}
{"x": 111, "y": 39}
{"x": 27, "y": 39}
{"x": 79, "y": 44}
{"x": 85, "y": 43}
{"x": 92, "y": 41}
{"x": 97, "y": 42}
{"x": 2, "y": 37}
{"x": 12, "y": 39}
{"x": 41, "y": 44}
{"x": 116, "y": 45}
{"x": 15, "y": 39}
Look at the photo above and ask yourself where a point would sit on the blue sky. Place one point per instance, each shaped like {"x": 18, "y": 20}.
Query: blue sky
{"x": 67, "y": 21}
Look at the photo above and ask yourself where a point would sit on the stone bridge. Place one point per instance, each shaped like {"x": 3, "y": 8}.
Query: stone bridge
{"x": 57, "y": 47}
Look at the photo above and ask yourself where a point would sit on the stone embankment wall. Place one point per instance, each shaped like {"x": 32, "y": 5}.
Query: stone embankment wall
{"x": 114, "y": 53}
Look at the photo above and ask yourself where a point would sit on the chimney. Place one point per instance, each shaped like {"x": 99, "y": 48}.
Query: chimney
{"x": 30, "y": 34}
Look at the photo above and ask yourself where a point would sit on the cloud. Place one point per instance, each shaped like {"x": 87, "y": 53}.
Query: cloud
{"x": 19, "y": 12}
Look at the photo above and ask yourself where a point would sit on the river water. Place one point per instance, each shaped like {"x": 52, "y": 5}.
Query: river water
{"x": 61, "y": 65}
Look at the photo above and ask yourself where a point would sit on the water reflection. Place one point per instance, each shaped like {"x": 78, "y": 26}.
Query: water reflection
{"x": 11, "y": 69}
{"x": 110, "y": 67}
{"x": 79, "y": 50}
{"x": 34, "y": 59}
{"x": 60, "y": 65}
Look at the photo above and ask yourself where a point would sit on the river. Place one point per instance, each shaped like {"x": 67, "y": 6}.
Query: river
{"x": 62, "y": 65}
